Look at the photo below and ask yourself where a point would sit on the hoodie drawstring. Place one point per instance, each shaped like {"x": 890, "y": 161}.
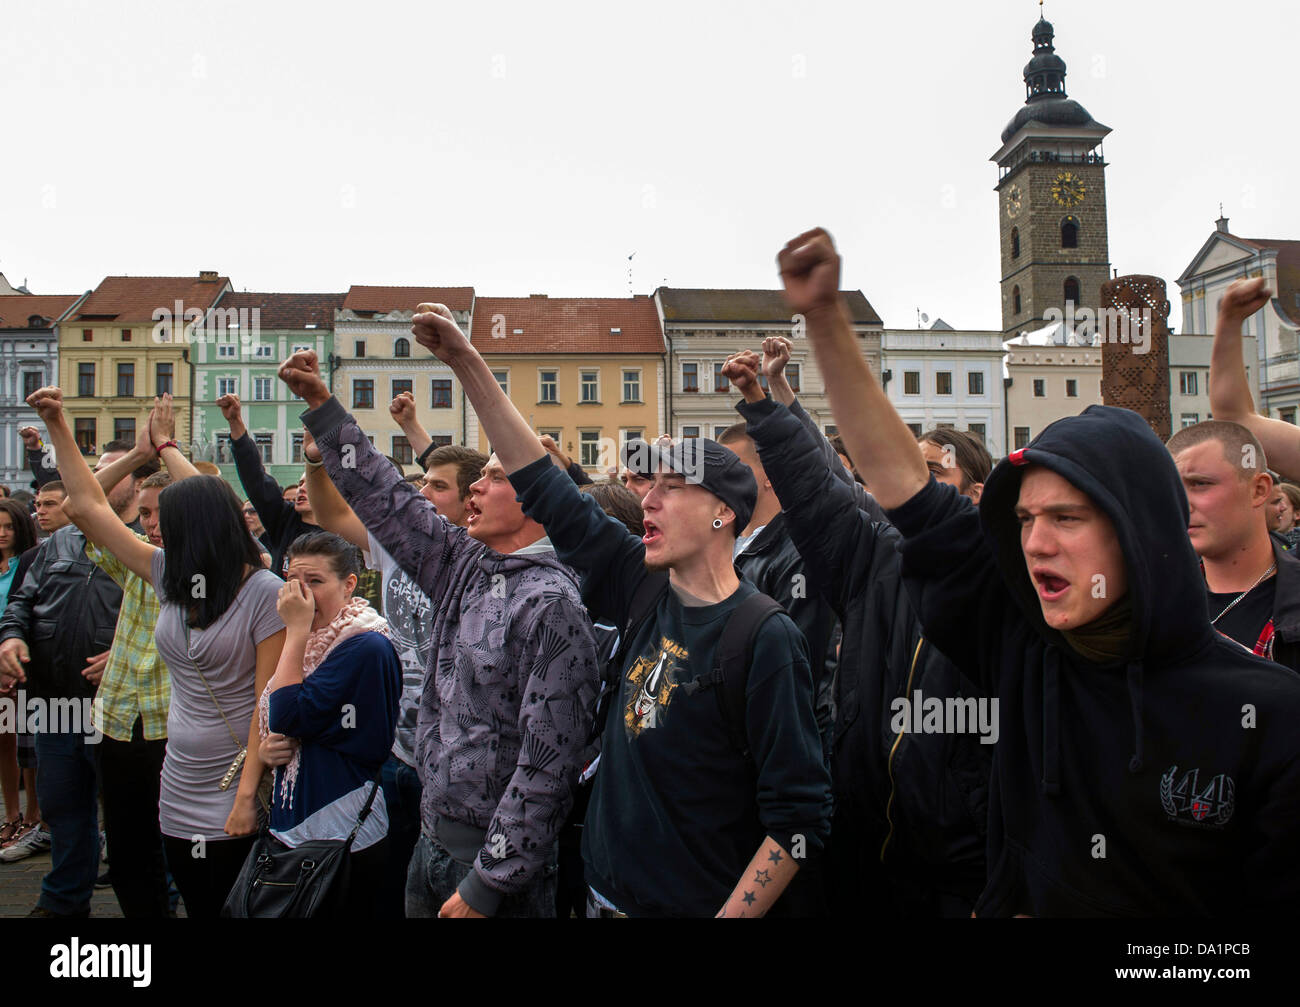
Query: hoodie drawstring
{"x": 1135, "y": 703}
{"x": 1051, "y": 723}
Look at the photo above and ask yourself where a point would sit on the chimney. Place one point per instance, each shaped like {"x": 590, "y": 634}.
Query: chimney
{"x": 1222, "y": 223}
{"x": 536, "y": 295}
{"x": 207, "y": 276}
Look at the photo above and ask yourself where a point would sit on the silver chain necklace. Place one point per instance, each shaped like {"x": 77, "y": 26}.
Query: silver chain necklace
{"x": 1233, "y": 604}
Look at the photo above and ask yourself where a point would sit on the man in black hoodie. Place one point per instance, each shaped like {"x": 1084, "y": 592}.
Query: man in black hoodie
{"x": 1146, "y": 766}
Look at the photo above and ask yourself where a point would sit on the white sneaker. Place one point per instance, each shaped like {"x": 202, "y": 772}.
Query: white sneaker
{"x": 36, "y": 841}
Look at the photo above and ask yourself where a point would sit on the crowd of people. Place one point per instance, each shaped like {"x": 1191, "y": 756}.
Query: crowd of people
{"x": 675, "y": 693}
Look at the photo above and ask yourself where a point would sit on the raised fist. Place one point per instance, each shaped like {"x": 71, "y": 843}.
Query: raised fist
{"x": 229, "y": 406}
{"x": 31, "y": 438}
{"x": 1243, "y": 298}
{"x": 403, "y": 409}
{"x": 48, "y": 402}
{"x": 810, "y": 270}
{"x": 741, "y": 369}
{"x": 301, "y": 372}
{"x": 776, "y": 354}
{"x": 435, "y": 329}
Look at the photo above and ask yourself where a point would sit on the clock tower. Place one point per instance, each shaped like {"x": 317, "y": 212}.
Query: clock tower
{"x": 1051, "y": 198}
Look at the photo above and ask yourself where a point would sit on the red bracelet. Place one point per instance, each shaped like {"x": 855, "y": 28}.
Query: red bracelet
{"x": 166, "y": 444}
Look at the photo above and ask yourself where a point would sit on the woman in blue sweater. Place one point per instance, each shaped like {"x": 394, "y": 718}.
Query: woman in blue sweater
{"x": 329, "y": 712}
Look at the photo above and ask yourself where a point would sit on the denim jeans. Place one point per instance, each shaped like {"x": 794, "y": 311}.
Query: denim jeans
{"x": 434, "y": 875}
{"x": 67, "y": 788}
{"x": 402, "y": 792}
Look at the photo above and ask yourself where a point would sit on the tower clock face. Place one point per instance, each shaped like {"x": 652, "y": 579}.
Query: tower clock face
{"x": 1068, "y": 189}
{"x": 1013, "y": 201}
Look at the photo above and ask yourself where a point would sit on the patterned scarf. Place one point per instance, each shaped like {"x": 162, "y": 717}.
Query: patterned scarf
{"x": 356, "y": 616}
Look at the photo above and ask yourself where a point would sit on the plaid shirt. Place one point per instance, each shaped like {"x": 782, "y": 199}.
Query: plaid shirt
{"x": 135, "y": 682}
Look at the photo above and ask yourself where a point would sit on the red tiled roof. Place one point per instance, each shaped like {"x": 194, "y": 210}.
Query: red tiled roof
{"x": 567, "y": 325}
{"x": 123, "y": 299}
{"x": 406, "y": 298}
{"x": 704, "y": 306}
{"x": 16, "y": 309}
{"x": 287, "y": 311}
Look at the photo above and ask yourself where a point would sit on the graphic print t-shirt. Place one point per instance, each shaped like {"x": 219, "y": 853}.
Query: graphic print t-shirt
{"x": 410, "y": 627}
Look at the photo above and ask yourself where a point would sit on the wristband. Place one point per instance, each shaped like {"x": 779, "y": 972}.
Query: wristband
{"x": 433, "y": 446}
{"x": 166, "y": 444}
{"x": 311, "y": 465}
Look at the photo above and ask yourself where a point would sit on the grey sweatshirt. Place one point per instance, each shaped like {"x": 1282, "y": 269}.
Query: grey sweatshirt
{"x": 508, "y": 695}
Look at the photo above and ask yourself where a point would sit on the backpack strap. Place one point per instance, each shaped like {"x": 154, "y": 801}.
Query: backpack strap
{"x": 732, "y": 658}
{"x": 645, "y": 599}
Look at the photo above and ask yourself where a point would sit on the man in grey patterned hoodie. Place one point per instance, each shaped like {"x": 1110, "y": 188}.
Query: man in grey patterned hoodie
{"x": 511, "y": 683}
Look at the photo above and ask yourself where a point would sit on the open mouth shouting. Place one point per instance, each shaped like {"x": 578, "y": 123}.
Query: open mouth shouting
{"x": 652, "y": 533}
{"x": 472, "y": 513}
{"x": 1051, "y": 586}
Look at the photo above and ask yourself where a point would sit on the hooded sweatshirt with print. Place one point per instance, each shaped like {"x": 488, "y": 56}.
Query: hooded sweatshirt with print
{"x": 1165, "y": 782}
{"x": 508, "y": 695}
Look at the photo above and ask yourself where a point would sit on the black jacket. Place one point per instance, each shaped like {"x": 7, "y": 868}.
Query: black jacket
{"x": 1165, "y": 783}
{"x": 280, "y": 518}
{"x": 66, "y": 611}
{"x": 1286, "y": 606}
{"x": 41, "y": 472}
{"x": 773, "y": 565}
{"x": 914, "y": 802}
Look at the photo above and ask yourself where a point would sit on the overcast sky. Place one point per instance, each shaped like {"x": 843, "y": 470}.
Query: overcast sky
{"x": 531, "y": 147}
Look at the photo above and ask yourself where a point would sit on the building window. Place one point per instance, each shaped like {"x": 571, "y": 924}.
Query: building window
{"x": 1072, "y": 290}
{"x": 1022, "y": 437}
{"x": 977, "y": 429}
{"x": 590, "y": 387}
{"x": 124, "y": 430}
{"x": 975, "y": 382}
{"x": 401, "y": 385}
{"x": 295, "y": 448}
{"x": 589, "y": 448}
{"x": 261, "y": 389}
{"x": 86, "y": 379}
{"x": 227, "y": 386}
{"x": 720, "y": 382}
{"x": 1069, "y": 233}
{"x": 363, "y": 394}
{"x": 690, "y": 431}
{"x": 224, "y": 455}
{"x": 1015, "y": 300}
{"x": 1015, "y": 243}
{"x": 163, "y": 379}
{"x": 718, "y": 430}
{"x": 125, "y": 381}
{"x": 915, "y": 428}
{"x": 1287, "y": 416}
{"x": 548, "y": 386}
{"x": 87, "y": 335}
{"x": 440, "y": 440}
{"x": 32, "y": 381}
{"x": 441, "y": 393}
{"x": 402, "y": 347}
{"x": 1071, "y": 388}
{"x": 1187, "y": 382}
{"x": 633, "y": 435}
{"x": 911, "y": 382}
{"x": 1040, "y": 387}
{"x": 84, "y": 430}
{"x": 1190, "y": 419}
{"x": 126, "y": 335}
{"x": 264, "y": 351}
{"x": 359, "y": 346}
{"x": 631, "y": 386}
{"x": 943, "y": 383}
{"x": 792, "y": 376}
{"x": 503, "y": 379}
{"x": 263, "y": 442}
{"x": 691, "y": 378}
{"x": 227, "y": 351}
{"x": 402, "y": 450}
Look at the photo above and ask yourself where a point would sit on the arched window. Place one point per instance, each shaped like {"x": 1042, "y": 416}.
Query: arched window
{"x": 1015, "y": 243}
{"x": 1069, "y": 233}
{"x": 402, "y": 347}
{"x": 1072, "y": 290}
{"x": 1015, "y": 300}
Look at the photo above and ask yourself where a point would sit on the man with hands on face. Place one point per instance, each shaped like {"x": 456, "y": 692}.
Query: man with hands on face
{"x": 511, "y": 680}
{"x": 55, "y": 638}
{"x": 682, "y": 821}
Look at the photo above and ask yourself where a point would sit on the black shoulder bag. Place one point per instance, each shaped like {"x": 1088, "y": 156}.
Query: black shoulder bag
{"x": 310, "y": 880}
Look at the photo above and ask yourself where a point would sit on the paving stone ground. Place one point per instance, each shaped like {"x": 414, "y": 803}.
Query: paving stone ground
{"x": 20, "y": 887}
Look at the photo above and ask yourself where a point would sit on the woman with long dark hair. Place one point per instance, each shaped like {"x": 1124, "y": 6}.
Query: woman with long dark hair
{"x": 17, "y": 535}
{"x": 328, "y": 715}
{"x": 220, "y": 636}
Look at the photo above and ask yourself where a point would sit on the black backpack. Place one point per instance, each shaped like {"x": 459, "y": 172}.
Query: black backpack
{"x": 729, "y": 676}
